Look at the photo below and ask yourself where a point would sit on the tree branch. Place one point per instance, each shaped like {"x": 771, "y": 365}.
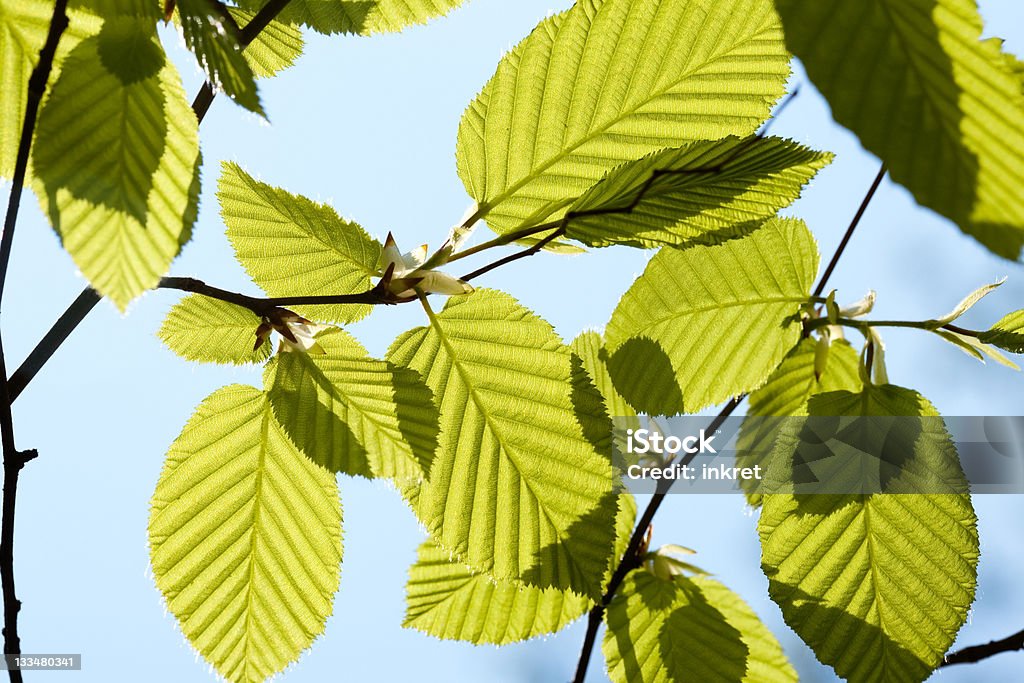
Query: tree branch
{"x": 629, "y": 559}
{"x": 976, "y": 653}
{"x": 845, "y": 242}
{"x": 87, "y": 300}
{"x": 378, "y": 295}
{"x": 14, "y": 459}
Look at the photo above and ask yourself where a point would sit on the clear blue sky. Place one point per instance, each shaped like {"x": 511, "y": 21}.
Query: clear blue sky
{"x": 369, "y": 125}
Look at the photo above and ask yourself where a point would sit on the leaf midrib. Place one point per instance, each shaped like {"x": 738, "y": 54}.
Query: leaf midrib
{"x": 720, "y": 307}
{"x": 480, "y": 404}
{"x": 254, "y": 545}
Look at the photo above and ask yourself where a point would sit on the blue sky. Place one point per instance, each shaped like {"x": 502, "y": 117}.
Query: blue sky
{"x": 369, "y": 125}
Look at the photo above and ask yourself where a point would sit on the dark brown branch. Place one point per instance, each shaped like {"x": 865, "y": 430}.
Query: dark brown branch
{"x": 14, "y": 459}
{"x": 262, "y": 306}
{"x": 52, "y": 341}
{"x": 841, "y": 249}
{"x": 976, "y": 653}
{"x": 631, "y": 559}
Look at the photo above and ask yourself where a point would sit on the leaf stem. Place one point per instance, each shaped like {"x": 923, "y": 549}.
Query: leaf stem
{"x": 13, "y": 459}
{"x": 864, "y": 325}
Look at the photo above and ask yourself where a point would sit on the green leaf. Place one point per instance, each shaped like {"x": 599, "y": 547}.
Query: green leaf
{"x": 212, "y": 331}
{"x": 142, "y": 9}
{"x": 589, "y": 348}
{"x": 275, "y": 48}
{"x": 548, "y": 125}
{"x": 590, "y": 354}
{"x": 23, "y": 28}
{"x": 215, "y": 43}
{"x": 448, "y": 600}
{"x": 786, "y": 394}
{"x": 363, "y": 17}
{"x": 245, "y": 538}
{"x": 116, "y": 159}
{"x": 1007, "y": 334}
{"x": 878, "y": 585}
{"x": 914, "y": 81}
{"x": 293, "y": 246}
{"x": 688, "y": 629}
{"x": 499, "y": 494}
{"x": 354, "y": 414}
{"x": 698, "y": 194}
{"x": 708, "y": 323}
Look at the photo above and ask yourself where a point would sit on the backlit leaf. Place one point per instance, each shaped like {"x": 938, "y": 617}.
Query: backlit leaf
{"x": 355, "y": 414}
{"x": 878, "y": 585}
{"x": 116, "y": 159}
{"x": 211, "y": 331}
{"x": 698, "y": 194}
{"x": 943, "y": 108}
{"x": 688, "y": 630}
{"x": 707, "y": 323}
{"x": 245, "y": 538}
{"x": 517, "y": 489}
{"x": 293, "y": 246}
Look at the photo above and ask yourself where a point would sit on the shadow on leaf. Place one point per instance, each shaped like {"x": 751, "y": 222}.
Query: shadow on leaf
{"x": 642, "y": 372}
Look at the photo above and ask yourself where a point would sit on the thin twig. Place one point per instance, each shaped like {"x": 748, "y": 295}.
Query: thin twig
{"x": 14, "y": 459}
{"x": 976, "y": 653}
{"x": 262, "y": 306}
{"x": 52, "y": 341}
{"x": 629, "y": 560}
{"x": 841, "y": 249}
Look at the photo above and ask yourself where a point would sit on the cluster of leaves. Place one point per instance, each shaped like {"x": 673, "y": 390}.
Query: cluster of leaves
{"x": 614, "y": 123}
{"x": 115, "y": 159}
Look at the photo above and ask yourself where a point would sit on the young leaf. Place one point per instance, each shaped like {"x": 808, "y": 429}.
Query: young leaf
{"x": 141, "y": 9}
{"x": 878, "y": 585}
{"x": 785, "y": 394}
{"x": 969, "y": 302}
{"x": 914, "y": 81}
{"x": 548, "y": 125}
{"x": 23, "y": 28}
{"x": 245, "y": 538}
{"x": 702, "y": 193}
{"x": 354, "y": 414}
{"x": 213, "y": 39}
{"x": 975, "y": 348}
{"x": 364, "y": 17}
{"x": 1007, "y": 334}
{"x": 211, "y": 331}
{"x": 291, "y": 245}
{"x": 275, "y": 48}
{"x": 119, "y": 178}
{"x": 710, "y": 322}
{"x": 688, "y": 629}
{"x": 512, "y": 439}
